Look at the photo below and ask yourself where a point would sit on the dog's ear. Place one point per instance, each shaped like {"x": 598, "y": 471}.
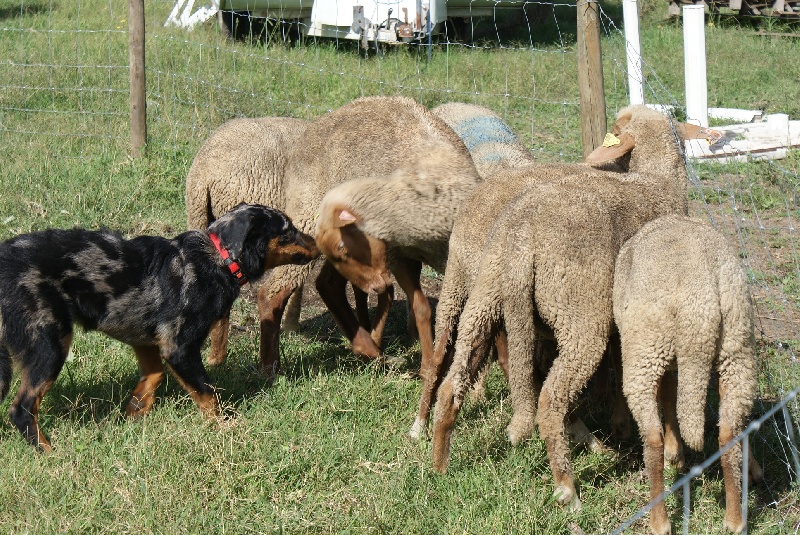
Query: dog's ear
{"x": 235, "y": 226}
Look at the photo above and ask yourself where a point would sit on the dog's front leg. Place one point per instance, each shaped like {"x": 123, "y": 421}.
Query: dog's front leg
{"x": 152, "y": 373}
{"x": 187, "y": 367}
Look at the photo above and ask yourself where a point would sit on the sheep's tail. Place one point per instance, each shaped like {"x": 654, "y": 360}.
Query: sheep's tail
{"x": 691, "y": 400}
{"x": 199, "y": 214}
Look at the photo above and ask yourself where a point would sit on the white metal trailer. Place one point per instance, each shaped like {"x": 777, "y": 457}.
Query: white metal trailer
{"x": 387, "y": 21}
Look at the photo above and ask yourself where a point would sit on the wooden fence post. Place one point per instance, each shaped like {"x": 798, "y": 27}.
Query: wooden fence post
{"x": 590, "y": 77}
{"x": 138, "y": 104}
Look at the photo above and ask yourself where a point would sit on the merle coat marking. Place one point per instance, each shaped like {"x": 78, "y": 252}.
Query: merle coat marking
{"x": 158, "y": 295}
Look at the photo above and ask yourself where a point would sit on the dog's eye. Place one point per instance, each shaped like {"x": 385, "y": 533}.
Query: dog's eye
{"x": 340, "y": 248}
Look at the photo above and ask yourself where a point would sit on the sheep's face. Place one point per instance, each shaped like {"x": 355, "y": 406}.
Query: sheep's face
{"x": 359, "y": 257}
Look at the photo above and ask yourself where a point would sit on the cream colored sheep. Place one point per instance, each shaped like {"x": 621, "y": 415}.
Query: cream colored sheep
{"x": 681, "y": 298}
{"x": 546, "y": 270}
{"x": 370, "y": 138}
{"x": 243, "y": 160}
{"x": 490, "y": 141}
{"x": 370, "y": 227}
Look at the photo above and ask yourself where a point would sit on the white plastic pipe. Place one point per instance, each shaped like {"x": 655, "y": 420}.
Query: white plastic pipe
{"x": 630, "y": 14}
{"x": 694, "y": 57}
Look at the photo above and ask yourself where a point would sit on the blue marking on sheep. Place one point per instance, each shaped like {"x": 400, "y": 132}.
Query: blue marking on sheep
{"x": 479, "y": 130}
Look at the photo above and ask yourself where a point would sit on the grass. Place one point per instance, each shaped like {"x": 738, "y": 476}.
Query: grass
{"x": 324, "y": 448}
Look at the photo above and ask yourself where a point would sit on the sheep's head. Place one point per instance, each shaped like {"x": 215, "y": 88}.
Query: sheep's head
{"x": 359, "y": 257}
{"x": 615, "y": 147}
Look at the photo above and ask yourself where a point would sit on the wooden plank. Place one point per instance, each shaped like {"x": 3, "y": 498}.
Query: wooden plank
{"x": 590, "y": 77}
{"x": 138, "y": 103}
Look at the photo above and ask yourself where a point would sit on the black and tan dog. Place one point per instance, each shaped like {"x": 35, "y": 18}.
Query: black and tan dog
{"x": 160, "y": 296}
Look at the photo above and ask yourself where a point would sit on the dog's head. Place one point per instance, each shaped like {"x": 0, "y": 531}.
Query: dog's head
{"x": 360, "y": 258}
{"x": 259, "y": 238}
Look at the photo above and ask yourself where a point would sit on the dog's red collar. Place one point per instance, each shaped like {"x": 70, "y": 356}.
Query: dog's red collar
{"x": 232, "y": 265}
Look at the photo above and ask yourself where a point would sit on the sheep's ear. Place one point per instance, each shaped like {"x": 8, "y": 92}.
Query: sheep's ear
{"x": 603, "y": 154}
{"x": 343, "y": 217}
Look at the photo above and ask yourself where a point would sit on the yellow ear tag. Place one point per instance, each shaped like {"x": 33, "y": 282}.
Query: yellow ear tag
{"x": 610, "y": 140}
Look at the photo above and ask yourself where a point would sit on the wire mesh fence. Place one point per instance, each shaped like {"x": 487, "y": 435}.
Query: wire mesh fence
{"x": 64, "y": 94}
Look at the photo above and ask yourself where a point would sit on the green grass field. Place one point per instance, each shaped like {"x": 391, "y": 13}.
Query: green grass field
{"x": 324, "y": 449}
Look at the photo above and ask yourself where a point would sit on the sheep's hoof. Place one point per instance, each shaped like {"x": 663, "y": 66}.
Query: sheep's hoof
{"x": 477, "y": 393}
{"x": 581, "y": 436}
{"x": 754, "y": 471}
{"x": 662, "y": 527}
{"x": 675, "y": 458}
{"x": 419, "y": 429}
{"x": 364, "y": 345}
{"x": 566, "y": 496}
{"x": 520, "y": 428}
{"x": 215, "y": 359}
{"x": 734, "y": 524}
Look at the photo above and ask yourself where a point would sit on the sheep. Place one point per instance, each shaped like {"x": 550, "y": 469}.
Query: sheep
{"x": 546, "y": 270}
{"x": 372, "y": 227}
{"x": 490, "y": 141}
{"x": 680, "y": 297}
{"x": 369, "y": 138}
{"x": 243, "y": 160}
{"x": 471, "y": 228}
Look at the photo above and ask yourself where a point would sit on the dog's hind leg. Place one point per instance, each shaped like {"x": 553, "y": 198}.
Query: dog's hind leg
{"x": 152, "y": 373}
{"x": 39, "y": 367}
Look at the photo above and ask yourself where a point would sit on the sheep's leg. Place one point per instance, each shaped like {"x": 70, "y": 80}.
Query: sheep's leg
{"x": 673, "y": 445}
{"x": 381, "y": 315}
{"x": 478, "y": 391}
{"x": 407, "y": 274}
{"x": 218, "y": 335}
{"x": 501, "y": 344}
{"x": 732, "y": 413}
{"x": 620, "y": 415}
{"x": 291, "y": 317}
{"x": 431, "y": 374}
{"x": 451, "y": 302}
{"x": 331, "y": 287}
{"x": 472, "y": 346}
{"x": 362, "y": 308}
{"x": 270, "y": 310}
{"x": 641, "y": 384}
{"x": 448, "y": 404}
{"x": 570, "y": 373}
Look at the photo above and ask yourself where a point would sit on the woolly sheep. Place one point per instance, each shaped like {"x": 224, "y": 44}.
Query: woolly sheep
{"x": 681, "y": 298}
{"x": 243, "y": 160}
{"x": 371, "y": 227}
{"x": 470, "y": 231}
{"x": 490, "y": 141}
{"x": 372, "y": 137}
{"x": 563, "y": 237}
